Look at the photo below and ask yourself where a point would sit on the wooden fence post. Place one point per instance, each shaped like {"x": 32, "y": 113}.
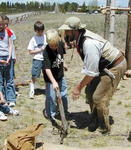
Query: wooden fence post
{"x": 112, "y": 23}
{"x": 107, "y": 21}
{"x": 128, "y": 43}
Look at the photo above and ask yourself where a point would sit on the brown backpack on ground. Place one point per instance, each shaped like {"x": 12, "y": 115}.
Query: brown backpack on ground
{"x": 24, "y": 139}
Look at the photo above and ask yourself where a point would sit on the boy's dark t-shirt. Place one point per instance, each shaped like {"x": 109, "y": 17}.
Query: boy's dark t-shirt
{"x": 53, "y": 60}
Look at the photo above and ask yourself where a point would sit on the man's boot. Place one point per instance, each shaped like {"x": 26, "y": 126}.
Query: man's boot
{"x": 103, "y": 120}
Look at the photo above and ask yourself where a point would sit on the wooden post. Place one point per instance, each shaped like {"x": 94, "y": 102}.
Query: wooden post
{"x": 128, "y": 43}
{"x": 107, "y": 21}
{"x": 112, "y": 23}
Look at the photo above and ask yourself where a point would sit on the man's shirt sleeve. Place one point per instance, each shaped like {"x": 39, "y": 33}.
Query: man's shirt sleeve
{"x": 91, "y": 59}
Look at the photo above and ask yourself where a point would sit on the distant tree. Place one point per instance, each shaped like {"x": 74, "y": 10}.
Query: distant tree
{"x": 3, "y": 7}
{"x": 8, "y": 7}
{"x": 53, "y": 6}
{"x": 17, "y": 5}
{"x": 36, "y": 5}
{"x": 8, "y": 4}
{"x": 93, "y": 5}
{"x": 83, "y": 8}
{"x": 68, "y": 7}
{"x": 48, "y": 6}
{"x": 62, "y": 8}
{"x": 12, "y": 5}
{"x": 74, "y": 6}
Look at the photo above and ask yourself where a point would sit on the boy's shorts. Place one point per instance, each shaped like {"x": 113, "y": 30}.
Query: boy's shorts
{"x": 36, "y": 68}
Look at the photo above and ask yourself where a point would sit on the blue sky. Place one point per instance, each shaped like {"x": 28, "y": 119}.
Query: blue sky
{"x": 123, "y": 3}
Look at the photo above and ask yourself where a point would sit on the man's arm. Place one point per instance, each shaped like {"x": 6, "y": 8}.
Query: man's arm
{"x": 90, "y": 67}
{"x": 77, "y": 90}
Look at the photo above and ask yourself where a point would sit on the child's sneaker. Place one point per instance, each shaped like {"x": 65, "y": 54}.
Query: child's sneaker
{"x": 2, "y": 116}
{"x": 11, "y": 104}
{"x": 14, "y": 112}
{"x": 32, "y": 92}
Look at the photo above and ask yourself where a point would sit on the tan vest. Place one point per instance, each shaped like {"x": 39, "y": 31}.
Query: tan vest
{"x": 109, "y": 52}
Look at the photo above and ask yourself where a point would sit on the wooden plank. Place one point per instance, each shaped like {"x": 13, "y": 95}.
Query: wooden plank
{"x": 116, "y": 8}
{"x": 128, "y": 44}
{"x": 107, "y": 21}
{"x": 112, "y": 23}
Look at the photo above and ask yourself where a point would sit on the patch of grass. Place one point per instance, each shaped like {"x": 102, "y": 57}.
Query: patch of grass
{"x": 119, "y": 103}
{"x": 100, "y": 142}
{"x": 127, "y": 105}
{"x": 128, "y": 98}
{"x": 128, "y": 114}
{"x": 122, "y": 86}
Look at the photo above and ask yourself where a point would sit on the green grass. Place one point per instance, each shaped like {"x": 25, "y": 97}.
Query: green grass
{"x": 128, "y": 114}
{"x": 119, "y": 103}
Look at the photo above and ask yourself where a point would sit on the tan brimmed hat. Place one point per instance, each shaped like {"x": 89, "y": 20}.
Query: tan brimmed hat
{"x": 72, "y": 23}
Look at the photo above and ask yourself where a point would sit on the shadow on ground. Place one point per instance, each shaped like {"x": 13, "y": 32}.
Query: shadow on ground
{"x": 39, "y": 144}
{"x": 39, "y": 91}
{"x": 81, "y": 119}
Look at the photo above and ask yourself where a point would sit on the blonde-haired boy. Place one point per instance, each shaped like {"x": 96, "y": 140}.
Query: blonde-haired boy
{"x": 54, "y": 73}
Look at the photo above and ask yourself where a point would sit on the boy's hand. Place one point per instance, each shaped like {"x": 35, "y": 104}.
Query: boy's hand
{"x": 2, "y": 101}
{"x": 3, "y": 62}
{"x": 15, "y": 60}
{"x": 8, "y": 60}
{"x": 65, "y": 67}
{"x": 55, "y": 86}
{"x": 43, "y": 47}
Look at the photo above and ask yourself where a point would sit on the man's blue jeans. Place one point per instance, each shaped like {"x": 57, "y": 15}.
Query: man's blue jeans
{"x": 51, "y": 102}
{"x": 10, "y": 94}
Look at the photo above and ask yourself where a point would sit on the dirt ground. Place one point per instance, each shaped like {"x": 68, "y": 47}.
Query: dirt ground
{"x": 48, "y": 146}
{"x": 31, "y": 111}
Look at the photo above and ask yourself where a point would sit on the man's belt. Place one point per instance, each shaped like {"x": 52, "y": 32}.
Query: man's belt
{"x": 118, "y": 61}
{"x": 115, "y": 63}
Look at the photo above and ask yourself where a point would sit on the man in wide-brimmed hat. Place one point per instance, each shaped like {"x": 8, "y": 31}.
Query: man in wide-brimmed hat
{"x": 104, "y": 65}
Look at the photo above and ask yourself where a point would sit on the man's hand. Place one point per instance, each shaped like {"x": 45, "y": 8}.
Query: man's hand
{"x": 76, "y": 93}
{"x": 128, "y": 73}
{"x": 65, "y": 67}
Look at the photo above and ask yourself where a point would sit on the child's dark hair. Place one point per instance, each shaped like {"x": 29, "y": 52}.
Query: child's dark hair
{"x": 5, "y": 17}
{"x": 38, "y": 26}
